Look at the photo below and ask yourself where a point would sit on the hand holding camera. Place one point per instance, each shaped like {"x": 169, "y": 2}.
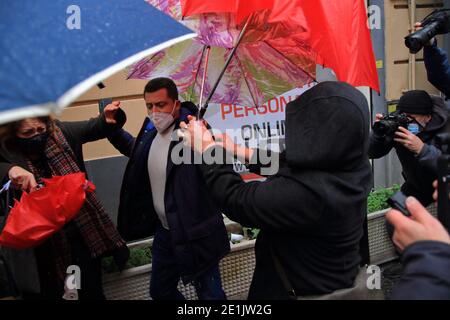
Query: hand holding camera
{"x": 409, "y": 140}
{"x": 438, "y": 22}
{"x": 417, "y": 27}
{"x": 396, "y": 126}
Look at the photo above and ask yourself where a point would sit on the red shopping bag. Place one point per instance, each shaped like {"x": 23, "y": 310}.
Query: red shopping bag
{"x": 41, "y": 213}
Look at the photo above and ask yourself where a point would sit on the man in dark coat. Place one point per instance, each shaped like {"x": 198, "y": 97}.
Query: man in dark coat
{"x": 171, "y": 201}
{"x": 310, "y": 213}
{"x": 418, "y": 153}
{"x": 425, "y": 246}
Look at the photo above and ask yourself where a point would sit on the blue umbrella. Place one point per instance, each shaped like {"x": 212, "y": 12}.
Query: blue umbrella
{"x": 51, "y": 52}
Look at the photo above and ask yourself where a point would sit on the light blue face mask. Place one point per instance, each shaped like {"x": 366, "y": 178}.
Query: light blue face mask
{"x": 414, "y": 128}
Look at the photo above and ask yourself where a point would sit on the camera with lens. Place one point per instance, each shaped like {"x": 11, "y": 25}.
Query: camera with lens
{"x": 390, "y": 123}
{"x": 438, "y": 22}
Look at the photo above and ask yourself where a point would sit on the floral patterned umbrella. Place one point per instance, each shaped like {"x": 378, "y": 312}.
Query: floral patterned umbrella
{"x": 270, "y": 60}
{"x": 337, "y": 30}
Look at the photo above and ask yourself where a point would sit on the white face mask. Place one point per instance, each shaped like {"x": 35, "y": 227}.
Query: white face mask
{"x": 162, "y": 120}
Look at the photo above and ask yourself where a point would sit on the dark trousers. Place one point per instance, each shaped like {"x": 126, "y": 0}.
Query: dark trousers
{"x": 52, "y": 288}
{"x": 91, "y": 272}
{"x": 166, "y": 274}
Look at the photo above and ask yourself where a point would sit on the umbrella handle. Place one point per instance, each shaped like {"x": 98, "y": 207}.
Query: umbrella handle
{"x": 205, "y": 72}
{"x": 197, "y": 71}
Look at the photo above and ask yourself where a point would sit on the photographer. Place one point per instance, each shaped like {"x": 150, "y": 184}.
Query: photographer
{"x": 425, "y": 117}
{"x": 436, "y": 61}
{"x": 311, "y": 212}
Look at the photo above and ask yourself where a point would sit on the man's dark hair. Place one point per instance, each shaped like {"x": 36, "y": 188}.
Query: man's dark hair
{"x": 162, "y": 83}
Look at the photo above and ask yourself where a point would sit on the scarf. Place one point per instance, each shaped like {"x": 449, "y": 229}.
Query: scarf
{"x": 92, "y": 222}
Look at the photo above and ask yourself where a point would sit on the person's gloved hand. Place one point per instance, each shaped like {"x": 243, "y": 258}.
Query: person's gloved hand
{"x": 421, "y": 226}
{"x": 409, "y": 140}
{"x": 195, "y": 134}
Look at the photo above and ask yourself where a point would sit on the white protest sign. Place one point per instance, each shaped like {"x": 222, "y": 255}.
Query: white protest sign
{"x": 249, "y": 125}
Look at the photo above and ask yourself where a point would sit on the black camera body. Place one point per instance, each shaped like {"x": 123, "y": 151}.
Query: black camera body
{"x": 390, "y": 123}
{"x": 438, "y": 22}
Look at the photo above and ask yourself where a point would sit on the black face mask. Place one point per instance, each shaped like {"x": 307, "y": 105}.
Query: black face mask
{"x": 34, "y": 145}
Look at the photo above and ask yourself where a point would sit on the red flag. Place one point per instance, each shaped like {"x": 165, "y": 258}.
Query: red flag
{"x": 247, "y": 7}
{"x": 338, "y": 33}
{"x": 40, "y": 214}
{"x": 241, "y": 8}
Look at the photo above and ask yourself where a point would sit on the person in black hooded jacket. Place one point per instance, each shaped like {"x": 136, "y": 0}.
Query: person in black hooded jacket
{"x": 311, "y": 212}
{"x": 418, "y": 153}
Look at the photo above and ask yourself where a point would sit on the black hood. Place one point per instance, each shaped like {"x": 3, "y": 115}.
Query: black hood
{"x": 327, "y": 128}
{"x": 440, "y": 114}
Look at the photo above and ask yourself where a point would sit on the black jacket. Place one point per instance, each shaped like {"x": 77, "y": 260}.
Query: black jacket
{"x": 426, "y": 272}
{"x": 438, "y": 68}
{"x": 312, "y": 211}
{"x": 419, "y": 171}
{"x": 198, "y": 233}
